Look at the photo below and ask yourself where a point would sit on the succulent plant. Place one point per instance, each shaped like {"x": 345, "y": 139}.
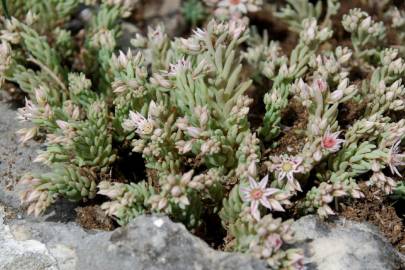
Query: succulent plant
{"x": 184, "y": 107}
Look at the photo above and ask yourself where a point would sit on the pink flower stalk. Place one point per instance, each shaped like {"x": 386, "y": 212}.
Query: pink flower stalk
{"x": 331, "y": 142}
{"x": 286, "y": 167}
{"x": 395, "y": 159}
{"x": 256, "y": 194}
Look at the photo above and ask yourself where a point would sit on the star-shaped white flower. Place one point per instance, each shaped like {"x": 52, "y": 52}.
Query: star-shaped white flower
{"x": 257, "y": 193}
{"x": 395, "y": 159}
{"x": 142, "y": 125}
{"x": 286, "y": 167}
{"x": 181, "y": 66}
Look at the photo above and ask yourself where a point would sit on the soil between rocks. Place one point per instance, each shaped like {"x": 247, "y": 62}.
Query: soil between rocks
{"x": 93, "y": 217}
{"x": 379, "y": 211}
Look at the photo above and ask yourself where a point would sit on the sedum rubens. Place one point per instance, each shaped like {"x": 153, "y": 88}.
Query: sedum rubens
{"x": 185, "y": 106}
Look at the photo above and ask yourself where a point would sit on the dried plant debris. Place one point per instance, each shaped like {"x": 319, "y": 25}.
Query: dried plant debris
{"x": 182, "y": 105}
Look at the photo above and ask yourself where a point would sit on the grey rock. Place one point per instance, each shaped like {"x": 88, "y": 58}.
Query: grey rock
{"x": 15, "y": 158}
{"x": 165, "y": 12}
{"x": 152, "y": 242}
{"x": 128, "y": 32}
{"x": 149, "y": 242}
{"x": 343, "y": 244}
{"x": 19, "y": 253}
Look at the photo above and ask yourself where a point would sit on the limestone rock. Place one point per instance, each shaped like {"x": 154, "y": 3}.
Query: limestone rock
{"x": 344, "y": 244}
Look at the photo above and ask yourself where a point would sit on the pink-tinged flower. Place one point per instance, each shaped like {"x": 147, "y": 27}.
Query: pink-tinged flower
{"x": 26, "y": 134}
{"x": 331, "y": 142}
{"x": 286, "y": 167}
{"x": 236, "y": 28}
{"x": 296, "y": 260}
{"x": 320, "y": 85}
{"x": 29, "y": 112}
{"x": 194, "y": 132}
{"x": 157, "y": 36}
{"x": 137, "y": 121}
{"x": 181, "y": 66}
{"x": 395, "y": 159}
{"x": 159, "y": 80}
{"x": 274, "y": 242}
{"x": 200, "y": 33}
{"x": 257, "y": 193}
{"x": 238, "y": 6}
{"x": 184, "y": 146}
{"x": 191, "y": 44}
{"x": 112, "y": 191}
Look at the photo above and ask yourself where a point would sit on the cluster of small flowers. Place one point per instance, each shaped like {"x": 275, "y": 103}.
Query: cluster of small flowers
{"x": 126, "y": 201}
{"x": 174, "y": 190}
{"x": 154, "y": 48}
{"x": 267, "y": 58}
{"x": 312, "y": 34}
{"x": 332, "y": 66}
{"x": 234, "y": 8}
{"x": 364, "y": 30}
{"x": 5, "y": 56}
{"x": 10, "y": 31}
{"x": 382, "y": 98}
{"x": 391, "y": 59}
{"x": 103, "y": 39}
{"x": 249, "y": 157}
{"x": 126, "y": 6}
{"x": 271, "y": 235}
{"x": 318, "y": 198}
{"x": 204, "y": 181}
{"x": 38, "y": 200}
{"x": 41, "y": 111}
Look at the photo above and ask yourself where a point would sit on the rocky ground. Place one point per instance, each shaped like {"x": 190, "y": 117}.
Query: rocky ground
{"x": 56, "y": 241}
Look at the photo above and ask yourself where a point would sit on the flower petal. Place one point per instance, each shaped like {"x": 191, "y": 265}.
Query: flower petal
{"x": 245, "y": 193}
{"x": 270, "y": 191}
{"x": 254, "y": 210}
{"x": 263, "y": 182}
{"x": 265, "y": 203}
{"x": 252, "y": 182}
{"x": 276, "y": 205}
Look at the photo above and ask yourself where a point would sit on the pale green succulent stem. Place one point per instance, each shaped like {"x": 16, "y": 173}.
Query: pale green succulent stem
{"x": 49, "y": 71}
